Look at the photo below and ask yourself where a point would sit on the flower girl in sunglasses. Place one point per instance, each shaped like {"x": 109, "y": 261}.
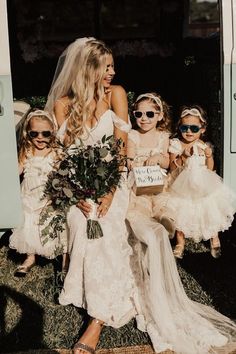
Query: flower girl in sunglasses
{"x": 148, "y": 145}
{"x": 202, "y": 203}
{"x": 38, "y": 154}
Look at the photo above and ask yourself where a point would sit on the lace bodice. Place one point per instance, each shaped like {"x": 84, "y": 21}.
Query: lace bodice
{"x": 36, "y": 169}
{"x": 197, "y": 158}
{"x": 142, "y": 153}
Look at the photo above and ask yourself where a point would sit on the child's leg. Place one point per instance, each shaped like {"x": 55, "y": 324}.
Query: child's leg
{"x": 179, "y": 248}
{"x": 65, "y": 262}
{"x": 168, "y": 223}
{"x": 25, "y": 267}
{"x": 164, "y": 216}
{"x": 215, "y": 246}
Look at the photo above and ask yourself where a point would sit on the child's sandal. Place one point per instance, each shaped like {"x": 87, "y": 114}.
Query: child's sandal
{"x": 178, "y": 251}
{"x": 22, "y": 270}
{"x": 215, "y": 249}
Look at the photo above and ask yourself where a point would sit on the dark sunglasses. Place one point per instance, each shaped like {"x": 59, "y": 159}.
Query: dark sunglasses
{"x": 193, "y": 128}
{"x": 148, "y": 114}
{"x": 46, "y": 134}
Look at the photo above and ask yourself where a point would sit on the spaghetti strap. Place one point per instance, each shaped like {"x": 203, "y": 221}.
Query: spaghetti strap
{"x": 62, "y": 103}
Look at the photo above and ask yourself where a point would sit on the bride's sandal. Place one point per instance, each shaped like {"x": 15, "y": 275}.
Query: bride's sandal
{"x": 85, "y": 347}
{"x": 178, "y": 251}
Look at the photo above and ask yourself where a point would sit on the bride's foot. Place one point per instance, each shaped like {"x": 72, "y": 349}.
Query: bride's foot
{"x": 89, "y": 340}
{"x": 25, "y": 267}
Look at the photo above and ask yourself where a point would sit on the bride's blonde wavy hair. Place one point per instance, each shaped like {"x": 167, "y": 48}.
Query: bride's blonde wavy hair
{"x": 81, "y": 79}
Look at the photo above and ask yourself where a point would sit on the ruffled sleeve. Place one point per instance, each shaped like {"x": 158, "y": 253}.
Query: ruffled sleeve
{"x": 121, "y": 124}
{"x": 202, "y": 145}
{"x": 175, "y": 146}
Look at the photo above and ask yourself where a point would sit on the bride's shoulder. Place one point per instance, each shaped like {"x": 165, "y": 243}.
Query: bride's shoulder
{"x": 62, "y": 104}
{"x": 117, "y": 89}
{"x": 117, "y": 92}
{"x": 61, "y": 109}
{"x": 63, "y": 101}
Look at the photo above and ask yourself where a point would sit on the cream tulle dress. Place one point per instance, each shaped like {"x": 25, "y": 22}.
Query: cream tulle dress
{"x": 99, "y": 278}
{"x": 201, "y": 204}
{"x": 26, "y": 238}
{"x": 171, "y": 319}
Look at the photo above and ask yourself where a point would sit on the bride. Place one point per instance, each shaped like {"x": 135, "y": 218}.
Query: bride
{"x": 99, "y": 277}
{"x": 86, "y": 107}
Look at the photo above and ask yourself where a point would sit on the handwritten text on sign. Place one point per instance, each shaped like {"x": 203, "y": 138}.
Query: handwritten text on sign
{"x": 148, "y": 176}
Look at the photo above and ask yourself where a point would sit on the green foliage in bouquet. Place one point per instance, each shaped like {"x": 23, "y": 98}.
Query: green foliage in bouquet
{"x": 85, "y": 172}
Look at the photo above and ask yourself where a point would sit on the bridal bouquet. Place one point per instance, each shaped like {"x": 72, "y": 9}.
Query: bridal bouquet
{"x": 85, "y": 172}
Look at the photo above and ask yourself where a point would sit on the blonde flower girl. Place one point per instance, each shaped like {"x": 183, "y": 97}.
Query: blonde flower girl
{"x": 37, "y": 157}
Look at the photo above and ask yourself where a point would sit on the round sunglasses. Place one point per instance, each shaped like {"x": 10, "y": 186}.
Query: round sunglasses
{"x": 148, "y": 114}
{"x": 193, "y": 128}
{"x": 34, "y": 134}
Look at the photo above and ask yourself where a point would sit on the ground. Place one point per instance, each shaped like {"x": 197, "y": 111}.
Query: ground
{"x": 31, "y": 319}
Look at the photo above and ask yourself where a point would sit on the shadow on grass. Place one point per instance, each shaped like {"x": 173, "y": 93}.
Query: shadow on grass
{"x": 28, "y": 329}
{"x": 217, "y": 277}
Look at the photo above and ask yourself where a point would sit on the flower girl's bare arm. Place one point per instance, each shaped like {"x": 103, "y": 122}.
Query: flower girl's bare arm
{"x": 175, "y": 161}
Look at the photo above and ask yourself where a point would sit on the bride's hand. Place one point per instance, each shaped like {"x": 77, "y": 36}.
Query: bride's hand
{"x": 84, "y": 207}
{"x": 104, "y": 204}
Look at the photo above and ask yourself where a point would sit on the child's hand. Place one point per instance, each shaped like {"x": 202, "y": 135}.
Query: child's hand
{"x": 188, "y": 151}
{"x": 208, "y": 152}
{"x": 152, "y": 160}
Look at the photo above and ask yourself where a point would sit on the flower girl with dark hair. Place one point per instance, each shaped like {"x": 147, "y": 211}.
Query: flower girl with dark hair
{"x": 201, "y": 203}
{"x": 37, "y": 157}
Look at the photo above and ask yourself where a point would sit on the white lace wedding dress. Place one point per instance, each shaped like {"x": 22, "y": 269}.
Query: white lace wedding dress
{"x": 171, "y": 319}
{"x": 99, "y": 277}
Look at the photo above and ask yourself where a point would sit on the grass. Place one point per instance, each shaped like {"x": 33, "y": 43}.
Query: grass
{"x": 30, "y": 318}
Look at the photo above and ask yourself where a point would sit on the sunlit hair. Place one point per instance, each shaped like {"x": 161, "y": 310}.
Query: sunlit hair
{"x": 194, "y": 110}
{"x": 160, "y": 105}
{"x": 81, "y": 80}
{"x": 25, "y": 143}
{"x": 87, "y": 85}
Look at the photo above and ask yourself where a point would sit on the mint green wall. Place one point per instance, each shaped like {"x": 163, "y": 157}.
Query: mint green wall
{"x": 10, "y": 203}
{"x": 229, "y": 110}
